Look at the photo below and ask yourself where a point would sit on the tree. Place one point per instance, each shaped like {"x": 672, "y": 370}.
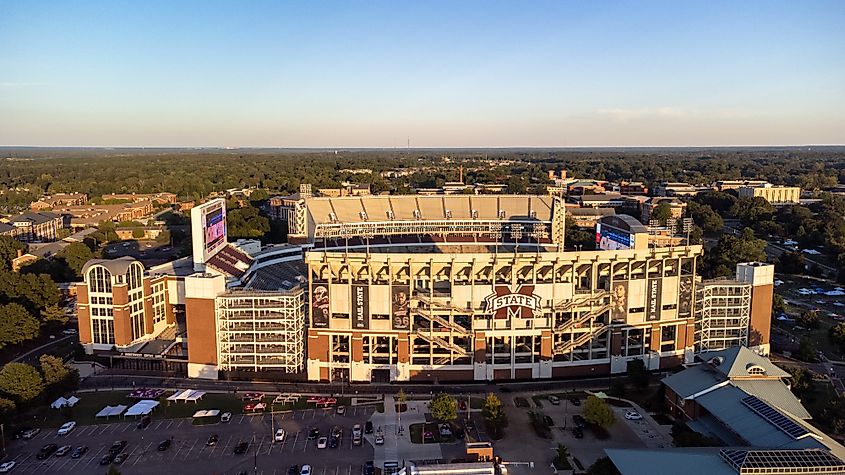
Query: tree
{"x": 443, "y": 407}
{"x": 837, "y": 335}
{"x": 637, "y": 374}
{"x": 9, "y": 248}
{"x": 597, "y": 412}
{"x": 16, "y": 325}
{"x": 76, "y": 255}
{"x": 752, "y": 210}
{"x": 721, "y": 261}
{"x": 662, "y": 212}
{"x": 53, "y": 315}
{"x": 54, "y": 369}
{"x": 494, "y": 415}
{"x": 801, "y": 382}
{"x": 21, "y": 381}
{"x": 807, "y": 351}
{"x": 603, "y": 466}
{"x": 705, "y": 217}
{"x": 791, "y": 263}
{"x": 138, "y": 233}
{"x": 7, "y": 408}
{"x": 778, "y": 304}
{"x": 808, "y": 319}
{"x": 113, "y": 470}
{"x": 561, "y": 461}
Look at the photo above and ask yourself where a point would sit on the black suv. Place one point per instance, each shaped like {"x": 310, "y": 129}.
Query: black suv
{"x": 145, "y": 421}
{"x": 579, "y": 421}
{"x": 118, "y": 447}
{"x": 47, "y": 451}
{"x": 293, "y": 470}
{"x": 164, "y": 445}
{"x": 241, "y": 448}
{"x": 368, "y": 427}
{"x": 79, "y": 452}
{"x": 107, "y": 459}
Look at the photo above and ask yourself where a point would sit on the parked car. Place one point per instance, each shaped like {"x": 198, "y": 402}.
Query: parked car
{"x": 293, "y": 470}
{"x": 356, "y": 430}
{"x": 459, "y": 433}
{"x": 30, "y": 433}
{"x": 578, "y": 432}
{"x": 212, "y": 440}
{"x": 462, "y": 405}
{"x": 313, "y": 433}
{"x": 379, "y": 439}
{"x": 341, "y": 410}
{"x": 369, "y": 468}
{"x": 107, "y": 459}
{"x": 305, "y": 470}
{"x": 66, "y": 428}
{"x": 47, "y": 451}
{"x": 164, "y": 445}
{"x": 428, "y": 436}
{"x": 6, "y": 467}
{"x": 79, "y": 452}
{"x": 121, "y": 457}
{"x": 334, "y": 442}
{"x": 633, "y": 416}
{"x": 575, "y": 401}
{"x": 469, "y": 425}
{"x": 241, "y": 448}
{"x": 280, "y": 435}
{"x": 118, "y": 447}
{"x": 226, "y": 417}
{"x": 579, "y": 421}
{"x": 445, "y": 430}
{"x": 322, "y": 442}
{"x": 554, "y": 399}
{"x": 64, "y": 450}
{"x": 368, "y": 427}
{"x": 144, "y": 422}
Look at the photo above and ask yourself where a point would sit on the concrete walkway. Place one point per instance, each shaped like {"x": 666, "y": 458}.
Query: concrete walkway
{"x": 654, "y": 435}
{"x": 397, "y": 445}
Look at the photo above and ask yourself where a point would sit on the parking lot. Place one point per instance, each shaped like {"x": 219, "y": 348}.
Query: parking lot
{"x": 189, "y": 453}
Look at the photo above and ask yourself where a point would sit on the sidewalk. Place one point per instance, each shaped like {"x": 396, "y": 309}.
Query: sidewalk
{"x": 399, "y": 448}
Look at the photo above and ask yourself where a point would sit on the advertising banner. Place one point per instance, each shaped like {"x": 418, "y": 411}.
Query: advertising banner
{"x": 613, "y": 240}
{"x": 360, "y": 307}
{"x": 686, "y": 290}
{"x": 320, "y": 305}
{"x": 619, "y": 300}
{"x": 400, "y": 308}
{"x": 653, "y": 291}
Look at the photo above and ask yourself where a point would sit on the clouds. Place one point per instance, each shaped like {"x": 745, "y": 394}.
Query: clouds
{"x": 669, "y": 113}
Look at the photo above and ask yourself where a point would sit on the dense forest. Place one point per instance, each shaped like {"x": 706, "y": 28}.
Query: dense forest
{"x": 25, "y": 174}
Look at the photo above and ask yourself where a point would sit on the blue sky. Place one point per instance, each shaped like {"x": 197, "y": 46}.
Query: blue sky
{"x": 445, "y": 74}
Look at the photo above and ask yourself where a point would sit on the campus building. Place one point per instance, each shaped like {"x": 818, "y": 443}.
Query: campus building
{"x": 32, "y": 226}
{"x": 776, "y": 195}
{"x": 120, "y": 305}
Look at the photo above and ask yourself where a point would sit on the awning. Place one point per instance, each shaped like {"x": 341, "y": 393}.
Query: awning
{"x": 142, "y": 408}
{"x": 110, "y": 411}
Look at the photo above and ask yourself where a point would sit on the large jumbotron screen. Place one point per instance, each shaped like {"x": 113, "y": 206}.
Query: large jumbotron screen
{"x": 208, "y": 228}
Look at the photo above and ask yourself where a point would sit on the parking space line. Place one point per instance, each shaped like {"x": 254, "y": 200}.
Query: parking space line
{"x": 349, "y": 470}
{"x": 191, "y": 449}
{"x": 128, "y": 426}
{"x": 96, "y": 454}
{"x": 241, "y": 420}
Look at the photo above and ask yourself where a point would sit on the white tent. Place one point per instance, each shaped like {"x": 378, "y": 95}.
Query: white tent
{"x": 109, "y": 411}
{"x": 180, "y": 395}
{"x": 195, "y": 396}
{"x": 59, "y": 403}
{"x": 71, "y": 401}
{"x": 207, "y": 413}
{"x": 142, "y": 408}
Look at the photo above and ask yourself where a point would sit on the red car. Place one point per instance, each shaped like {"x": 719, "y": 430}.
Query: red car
{"x": 255, "y": 407}
{"x": 463, "y": 405}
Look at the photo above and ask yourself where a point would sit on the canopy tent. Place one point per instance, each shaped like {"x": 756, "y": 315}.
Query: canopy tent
{"x": 110, "y": 411}
{"x": 195, "y": 396}
{"x": 142, "y": 408}
{"x": 62, "y": 402}
{"x": 207, "y": 413}
{"x": 180, "y": 395}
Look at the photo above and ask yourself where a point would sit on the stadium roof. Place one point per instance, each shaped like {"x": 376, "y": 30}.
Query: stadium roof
{"x": 353, "y": 209}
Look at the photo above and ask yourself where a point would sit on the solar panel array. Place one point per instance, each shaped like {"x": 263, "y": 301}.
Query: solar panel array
{"x": 800, "y": 461}
{"x": 777, "y": 419}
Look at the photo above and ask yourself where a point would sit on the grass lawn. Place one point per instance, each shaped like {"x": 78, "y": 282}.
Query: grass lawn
{"x": 417, "y": 433}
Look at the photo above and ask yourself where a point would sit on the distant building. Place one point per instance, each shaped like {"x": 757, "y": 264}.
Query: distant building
{"x": 667, "y": 188}
{"x": 588, "y": 217}
{"x": 33, "y": 226}
{"x": 91, "y": 215}
{"x": 725, "y": 185}
{"x": 59, "y": 199}
{"x": 635, "y": 188}
{"x": 150, "y": 232}
{"x": 346, "y": 189}
{"x": 676, "y": 206}
{"x": 776, "y": 195}
{"x": 160, "y": 198}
